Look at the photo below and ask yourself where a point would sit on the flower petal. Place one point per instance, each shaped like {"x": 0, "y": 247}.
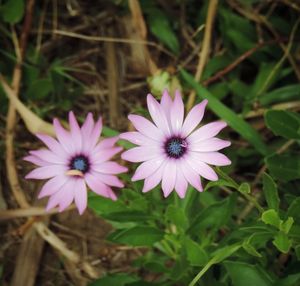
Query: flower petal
{"x": 202, "y": 169}
{"x": 95, "y": 135}
{"x": 193, "y": 118}
{"x": 53, "y": 185}
{"x": 166, "y": 103}
{"x": 140, "y": 154}
{"x": 109, "y": 167}
{"x": 68, "y": 190}
{"x": 63, "y": 137}
{"x": 212, "y": 144}
{"x": 104, "y": 155}
{"x": 37, "y": 161}
{"x": 137, "y": 138}
{"x": 80, "y": 196}
{"x": 52, "y": 144}
{"x": 98, "y": 187}
{"x": 177, "y": 113}
{"x": 48, "y": 156}
{"x": 158, "y": 115}
{"x": 107, "y": 142}
{"x": 75, "y": 131}
{"x": 181, "y": 184}
{"x": 191, "y": 176}
{"x": 147, "y": 168}
{"x": 86, "y": 130}
{"x": 109, "y": 180}
{"x": 169, "y": 177}
{"x": 46, "y": 172}
{"x": 207, "y": 131}
{"x": 212, "y": 158}
{"x": 153, "y": 180}
{"x": 146, "y": 127}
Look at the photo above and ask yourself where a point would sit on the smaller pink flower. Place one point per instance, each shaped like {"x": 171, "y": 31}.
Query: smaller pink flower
{"x": 75, "y": 159}
{"x": 173, "y": 150}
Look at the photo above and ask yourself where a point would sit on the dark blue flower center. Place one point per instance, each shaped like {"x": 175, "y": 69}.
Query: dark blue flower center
{"x": 80, "y": 163}
{"x": 175, "y": 147}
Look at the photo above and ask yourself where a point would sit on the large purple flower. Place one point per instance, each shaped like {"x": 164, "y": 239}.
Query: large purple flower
{"x": 172, "y": 149}
{"x": 75, "y": 159}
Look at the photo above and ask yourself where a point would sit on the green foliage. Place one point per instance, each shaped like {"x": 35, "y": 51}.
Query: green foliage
{"x": 12, "y": 11}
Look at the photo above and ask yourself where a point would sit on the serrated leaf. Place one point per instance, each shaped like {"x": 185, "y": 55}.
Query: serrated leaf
{"x": 271, "y": 217}
{"x": 270, "y": 192}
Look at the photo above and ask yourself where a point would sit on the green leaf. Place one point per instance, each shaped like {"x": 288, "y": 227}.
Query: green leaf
{"x": 251, "y": 250}
{"x": 13, "y": 11}
{"x": 293, "y": 210}
{"x": 284, "y": 167}
{"x": 244, "y": 188}
{"x": 121, "y": 279}
{"x": 247, "y": 274}
{"x": 138, "y": 236}
{"x": 271, "y": 217}
{"x": 290, "y": 280}
{"x": 103, "y": 205}
{"x": 233, "y": 120}
{"x": 282, "y": 242}
{"x": 177, "y": 216}
{"x": 286, "y": 226}
{"x": 128, "y": 216}
{"x": 270, "y": 192}
{"x": 39, "y": 89}
{"x": 297, "y": 251}
{"x": 195, "y": 253}
{"x": 283, "y": 123}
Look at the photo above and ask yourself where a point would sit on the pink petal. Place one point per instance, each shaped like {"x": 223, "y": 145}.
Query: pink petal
{"x": 137, "y": 138}
{"x": 95, "y": 135}
{"x": 153, "y": 180}
{"x": 140, "y": 154}
{"x": 99, "y": 188}
{"x": 177, "y": 113}
{"x": 147, "y": 168}
{"x": 69, "y": 190}
{"x": 46, "y": 172}
{"x": 86, "y": 130}
{"x": 158, "y": 115}
{"x": 203, "y": 169}
{"x": 53, "y": 185}
{"x": 166, "y": 103}
{"x": 169, "y": 177}
{"x": 109, "y": 180}
{"x": 181, "y": 184}
{"x": 63, "y": 137}
{"x": 212, "y": 144}
{"x": 35, "y": 160}
{"x": 48, "y": 156}
{"x": 109, "y": 167}
{"x": 191, "y": 176}
{"x": 104, "y": 155}
{"x": 193, "y": 118}
{"x": 52, "y": 144}
{"x": 81, "y": 196}
{"x": 207, "y": 131}
{"x": 107, "y": 142}
{"x": 213, "y": 158}
{"x": 75, "y": 131}
{"x": 147, "y": 128}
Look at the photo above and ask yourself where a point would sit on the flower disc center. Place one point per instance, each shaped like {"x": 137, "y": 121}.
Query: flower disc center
{"x": 80, "y": 163}
{"x": 175, "y": 147}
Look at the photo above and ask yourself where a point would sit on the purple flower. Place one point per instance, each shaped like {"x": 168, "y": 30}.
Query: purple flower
{"x": 75, "y": 159}
{"x": 172, "y": 149}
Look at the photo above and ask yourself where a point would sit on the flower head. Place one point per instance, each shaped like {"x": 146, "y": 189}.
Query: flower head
{"x": 75, "y": 159}
{"x": 173, "y": 150}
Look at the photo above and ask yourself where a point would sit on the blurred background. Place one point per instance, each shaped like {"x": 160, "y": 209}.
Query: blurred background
{"x": 104, "y": 57}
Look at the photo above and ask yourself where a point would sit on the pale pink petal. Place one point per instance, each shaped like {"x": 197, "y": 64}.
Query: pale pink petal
{"x": 193, "y": 118}
{"x": 213, "y": 158}
{"x": 207, "y": 131}
{"x": 64, "y": 137}
{"x": 153, "y": 180}
{"x": 158, "y": 115}
{"x": 98, "y": 187}
{"x": 140, "y": 154}
{"x": 48, "y": 156}
{"x": 177, "y": 113}
{"x": 146, "y": 127}
{"x": 75, "y": 131}
{"x": 202, "y": 169}
{"x": 166, "y": 103}
{"x": 69, "y": 190}
{"x": 53, "y": 185}
{"x": 104, "y": 155}
{"x": 46, "y": 172}
{"x": 95, "y": 135}
{"x": 86, "y": 130}
{"x": 55, "y": 200}
{"x": 169, "y": 177}
{"x": 80, "y": 194}
{"x": 52, "y": 144}
{"x": 37, "y": 161}
{"x": 191, "y": 176}
{"x": 109, "y": 180}
{"x": 109, "y": 167}
{"x": 208, "y": 145}
{"x": 181, "y": 184}
{"x": 147, "y": 168}
{"x": 138, "y": 138}
{"x": 107, "y": 142}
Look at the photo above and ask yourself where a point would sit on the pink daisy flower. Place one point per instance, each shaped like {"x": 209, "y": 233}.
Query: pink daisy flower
{"x": 173, "y": 150}
{"x": 74, "y": 160}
